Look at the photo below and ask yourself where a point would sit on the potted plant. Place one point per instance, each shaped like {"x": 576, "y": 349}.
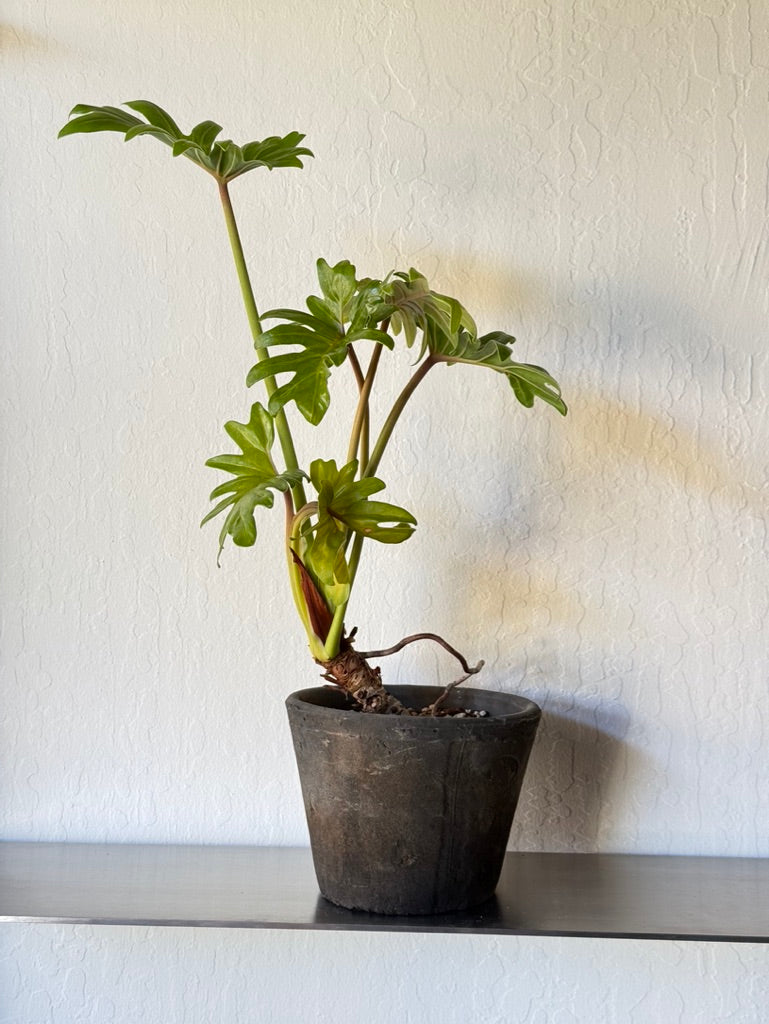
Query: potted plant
{"x": 409, "y": 791}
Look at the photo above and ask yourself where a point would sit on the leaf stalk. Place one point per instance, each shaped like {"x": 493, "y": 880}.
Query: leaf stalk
{"x": 254, "y": 322}
{"x": 398, "y": 406}
{"x": 359, "y": 437}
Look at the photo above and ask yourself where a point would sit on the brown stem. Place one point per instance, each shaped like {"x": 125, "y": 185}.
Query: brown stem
{"x": 359, "y": 438}
{"x": 433, "y": 708}
{"x": 425, "y": 636}
{"x": 356, "y": 367}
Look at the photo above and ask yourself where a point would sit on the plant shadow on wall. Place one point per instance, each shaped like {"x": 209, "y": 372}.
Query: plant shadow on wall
{"x": 667, "y": 497}
{"x": 531, "y": 621}
{"x": 577, "y": 770}
{"x": 654, "y": 590}
{"x": 574, "y": 774}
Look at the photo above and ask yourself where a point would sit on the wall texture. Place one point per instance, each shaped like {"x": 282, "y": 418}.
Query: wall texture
{"x": 592, "y": 177}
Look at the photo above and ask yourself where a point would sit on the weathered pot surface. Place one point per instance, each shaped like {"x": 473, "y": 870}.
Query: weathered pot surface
{"x": 410, "y": 815}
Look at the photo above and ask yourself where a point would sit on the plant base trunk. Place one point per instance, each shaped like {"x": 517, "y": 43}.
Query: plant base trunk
{"x": 353, "y": 674}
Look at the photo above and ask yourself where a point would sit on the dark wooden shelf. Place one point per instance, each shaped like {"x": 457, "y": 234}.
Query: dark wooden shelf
{"x": 599, "y": 895}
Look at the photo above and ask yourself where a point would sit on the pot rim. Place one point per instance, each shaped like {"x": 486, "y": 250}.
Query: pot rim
{"x": 331, "y": 701}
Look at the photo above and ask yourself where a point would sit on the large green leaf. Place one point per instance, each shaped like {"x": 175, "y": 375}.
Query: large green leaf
{"x": 254, "y": 478}
{"x": 494, "y": 351}
{"x": 319, "y": 349}
{"x": 343, "y": 506}
{"x": 346, "y": 500}
{"x": 345, "y": 314}
{"x": 412, "y": 307}
{"x": 224, "y": 160}
{"x": 353, "y": 308}
{"x": 450, "y": 335}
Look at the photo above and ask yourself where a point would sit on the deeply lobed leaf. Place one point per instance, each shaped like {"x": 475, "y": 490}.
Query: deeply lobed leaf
{"x": 346, "y": 500}
{"x": 494, "y": 351}
{"x": 343, "y": 507}
{"x": 345, "y": 314}
{"x": 224, "y": 160}
{"x": 254, "y": 478}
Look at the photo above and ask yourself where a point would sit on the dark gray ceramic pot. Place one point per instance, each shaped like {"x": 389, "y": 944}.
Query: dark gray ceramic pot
{"x": 410, "y": 815}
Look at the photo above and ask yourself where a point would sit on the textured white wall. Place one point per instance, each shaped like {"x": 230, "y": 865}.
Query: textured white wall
{"x": 209, "y": 976}
{"x": 593, "y": 177}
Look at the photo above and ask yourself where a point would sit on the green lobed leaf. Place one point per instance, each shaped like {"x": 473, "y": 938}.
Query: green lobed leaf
{"x": 296, "y": 316}
{"x": 493, "y": 351}
{"x": 450, "y": 335}
{"x": 338, "y": 285}
{"x": 256, "y": 436}
{"x": 344, "y": 507}
{"x": 254, "y": 478}
{"x": 224, "y": 160}
{"x": 204, "y": 134}
{"x": 186, "y": 147}
{"x": 370, "y": 334}
{"x": 349, "y": 311}
{"x": 226, "y": 156}
{"x": 321, "y": 310}
{"x": 320, "y": 348}
{"x": 148, "y": 129}
{"x": 246, "y": 493}
{"x": 346, "y": 500}
{"x": 416, "y": 308}
{"x": 88, "y": 118}
{"x": 156, "y": 116}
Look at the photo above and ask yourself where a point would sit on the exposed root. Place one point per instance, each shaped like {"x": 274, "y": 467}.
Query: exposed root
{"x": 424, "y": 636}
{"x": 434, "y": 708}
{"x": 351, "y": 672}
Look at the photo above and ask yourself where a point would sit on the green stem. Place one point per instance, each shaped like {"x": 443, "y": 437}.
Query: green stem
{"x": 359, "y": 438}
{"x": 354, "y": 559}
{"x": 281, "y": 423}
{"x": 381, "y": 444}
{"x": 352, "y": 355}
{"x": 334, "y": 638}
{"x": 398, "y": 407}
{"x": 293, "y": 572}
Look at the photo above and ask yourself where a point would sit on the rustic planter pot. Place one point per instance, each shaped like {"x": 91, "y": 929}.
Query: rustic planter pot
{"x": 410, "y": 815}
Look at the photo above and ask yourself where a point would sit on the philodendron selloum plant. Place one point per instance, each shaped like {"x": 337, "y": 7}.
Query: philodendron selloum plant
{"x": 296, "y": 352}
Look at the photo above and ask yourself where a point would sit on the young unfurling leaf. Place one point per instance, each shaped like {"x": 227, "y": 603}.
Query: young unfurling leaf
{"x": 343, "y": 507}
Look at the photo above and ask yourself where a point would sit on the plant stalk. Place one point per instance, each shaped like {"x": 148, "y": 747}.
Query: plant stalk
{"x": 381, "y": 443}
{"x": 293, "y": 573}
{"x": 334, "y": 639}
{"x": 400, "y": 404}
{"x": 254, "y": 322}
{"x": 359, "y": 438}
